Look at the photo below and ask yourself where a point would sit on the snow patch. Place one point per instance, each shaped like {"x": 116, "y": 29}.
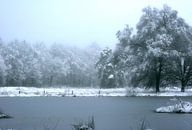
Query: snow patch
{"x": 111, "y": 76}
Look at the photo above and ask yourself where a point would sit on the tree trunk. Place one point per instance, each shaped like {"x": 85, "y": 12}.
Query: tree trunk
{"x": 51, "y": 81}
{"x": 183, "y": 86}
{"x": 157, "y": 82}
{"x": 183, "y": 74}
{"x": 158, "y": 76}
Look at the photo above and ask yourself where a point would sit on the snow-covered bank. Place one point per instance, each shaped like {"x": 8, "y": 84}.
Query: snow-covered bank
{"x": 33, "y": 91}
{"x": 64, "y": 91}
{"x": 168, "y": 91}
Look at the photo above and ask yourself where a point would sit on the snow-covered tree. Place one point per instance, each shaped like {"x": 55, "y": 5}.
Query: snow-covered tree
{"x": 180, "y": 68}
{"x": 41, "y": 55}
{"x": 106, "y": 71}
{"x": 12, "y": 56}
{"x": 22, "y": 67}
{"x": 2, "y": 71}
{"x": 179, "y": 48}
{"x": 22, "y": 63}
{"x": 92, "y": 53}
{"x": 57, "y": 64}
{"x": 158, "y": 31}
{"x": 122, "y": 56}
{"x": 3, "y": 67}
{"x": 162, "y": 40}
{"x": 152, "y": 44}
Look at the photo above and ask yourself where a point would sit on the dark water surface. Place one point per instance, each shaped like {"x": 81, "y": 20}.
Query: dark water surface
{"x": 110, "y": 113}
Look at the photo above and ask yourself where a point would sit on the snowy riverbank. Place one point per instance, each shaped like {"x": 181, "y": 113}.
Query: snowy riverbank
{"x": 61, "y": 92}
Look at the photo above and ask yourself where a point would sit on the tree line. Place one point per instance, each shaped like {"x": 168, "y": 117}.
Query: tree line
{"x": 158, "y": 54}
{"x": 25, "y": 64}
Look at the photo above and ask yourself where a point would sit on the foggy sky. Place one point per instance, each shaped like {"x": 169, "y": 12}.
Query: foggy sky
{"x": 76, "y": 22}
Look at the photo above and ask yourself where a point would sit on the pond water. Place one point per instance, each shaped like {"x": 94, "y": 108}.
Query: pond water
{"x": 110, "y": 113}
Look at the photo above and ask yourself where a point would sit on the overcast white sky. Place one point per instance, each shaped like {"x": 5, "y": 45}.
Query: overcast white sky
{"x": 76, "y": 22}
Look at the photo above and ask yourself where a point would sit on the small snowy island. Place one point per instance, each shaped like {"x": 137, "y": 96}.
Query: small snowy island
{"x": 180, "y": 107}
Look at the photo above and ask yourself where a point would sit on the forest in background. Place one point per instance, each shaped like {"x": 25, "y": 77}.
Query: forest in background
{"x": 157, "y": 54}
{"x": 25, "y": 64}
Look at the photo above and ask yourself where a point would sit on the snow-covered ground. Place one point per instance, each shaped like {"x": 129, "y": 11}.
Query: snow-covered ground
{"x": 65, "y": 91}
{"x": 168, "y": 91}
{"x": 33, "y": 91}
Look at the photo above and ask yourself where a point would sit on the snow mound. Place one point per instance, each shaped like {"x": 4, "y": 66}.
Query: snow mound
{"x": 181, "y": 107}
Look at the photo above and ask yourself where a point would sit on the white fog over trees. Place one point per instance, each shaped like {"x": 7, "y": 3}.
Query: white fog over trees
{"x": 158, "y": 54}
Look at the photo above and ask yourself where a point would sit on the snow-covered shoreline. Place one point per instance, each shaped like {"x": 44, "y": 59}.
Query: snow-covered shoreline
{"x": 72, "y": 92}
{"x": 60, "y": 92}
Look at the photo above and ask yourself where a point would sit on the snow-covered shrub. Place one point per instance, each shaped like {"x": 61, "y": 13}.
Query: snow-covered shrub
{"x": 131, "y": 92}
{"x": 144, "y": 125}
{"x": 2, "y": 115}
{"x": 82, "y": 125}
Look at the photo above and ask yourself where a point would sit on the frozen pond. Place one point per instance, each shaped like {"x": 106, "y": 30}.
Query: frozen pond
{"x": 110, "y": 113}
